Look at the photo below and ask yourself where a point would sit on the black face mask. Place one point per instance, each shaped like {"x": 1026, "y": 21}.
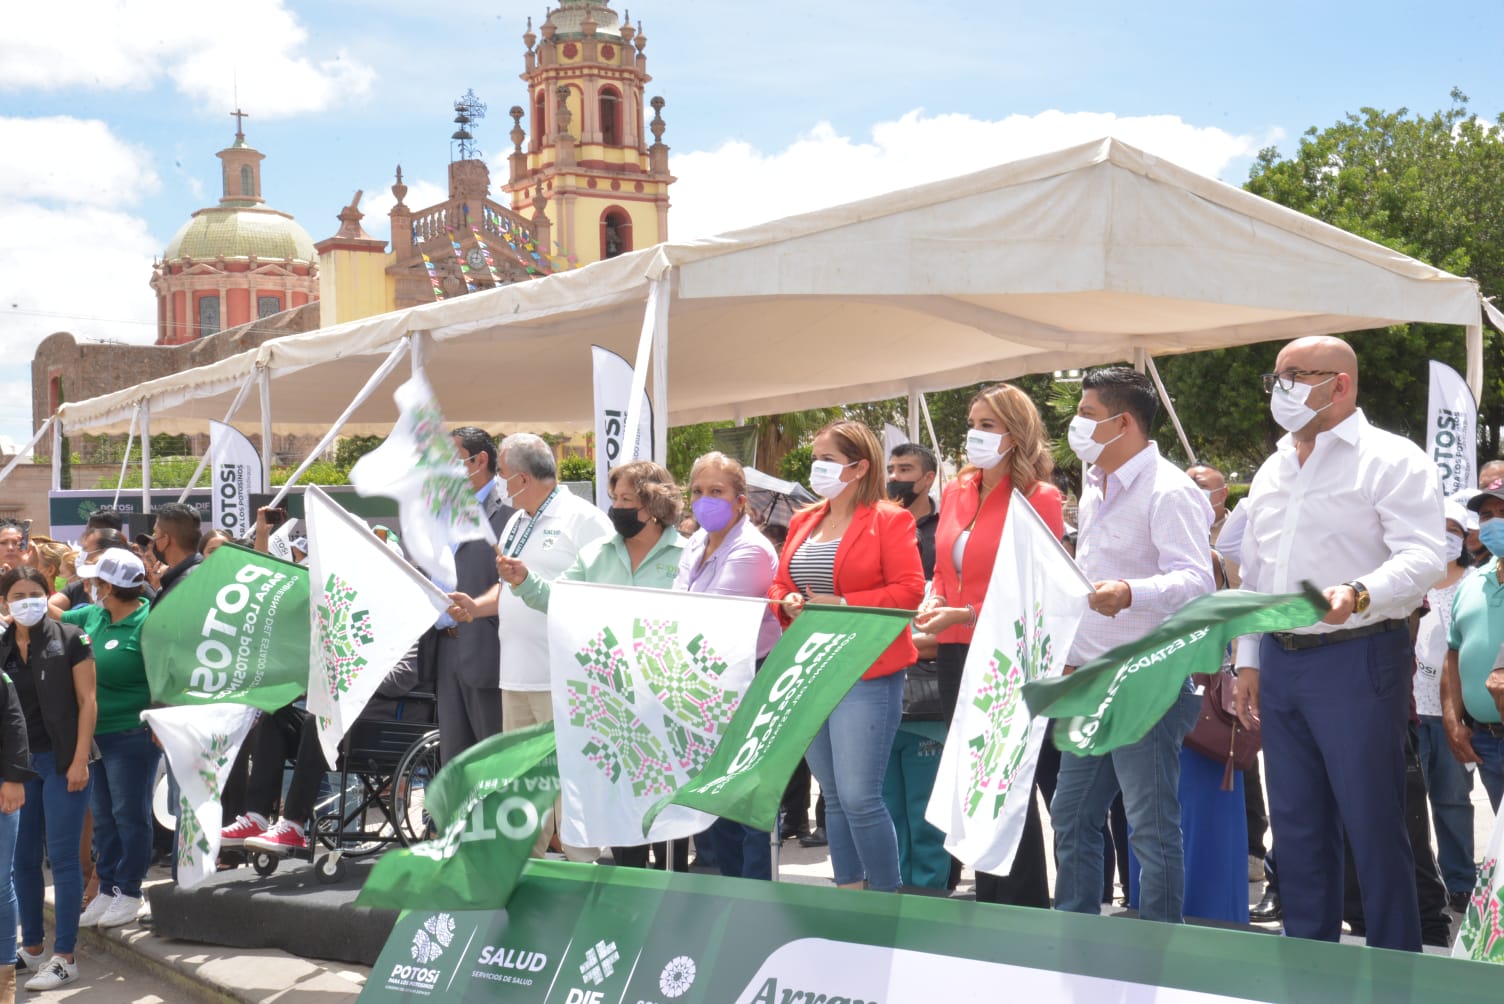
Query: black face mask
{"x": 903, "y": 492}
{"x": 626, "y": 522}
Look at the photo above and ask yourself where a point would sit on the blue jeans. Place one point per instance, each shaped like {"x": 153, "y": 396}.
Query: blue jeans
{"x": 1491, "y": 750}
{"x": 10, "y": 825}
{"x": 122, "y": 781}
{"x": 849, "y": 757}
{"x": 739, "y": 851}
{"x": 59, "y": 813}
{"x": 1148, "y": 774}
{"x": 1449, "y": 786}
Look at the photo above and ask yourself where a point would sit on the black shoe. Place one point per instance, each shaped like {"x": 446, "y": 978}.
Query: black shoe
{"x": 793, "y": 828}
{"x": 814, "y": 838}
{"x": 1267, "y": 909}
{"x": 1458, "y": 901}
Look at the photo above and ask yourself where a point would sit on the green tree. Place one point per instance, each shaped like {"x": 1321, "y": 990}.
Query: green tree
{"x": 351, "y": 448}
{"x": 577, "y": 469}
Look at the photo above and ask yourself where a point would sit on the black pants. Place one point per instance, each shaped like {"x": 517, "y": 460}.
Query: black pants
{"x": 795, "y": 806}
{"x": 637, "y": 857}
{"x": 1253, "y": 806}
{"x": 255, "y": 781}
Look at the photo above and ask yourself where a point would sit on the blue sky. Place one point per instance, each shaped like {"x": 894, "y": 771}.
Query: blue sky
{"x": 110, "y": 112}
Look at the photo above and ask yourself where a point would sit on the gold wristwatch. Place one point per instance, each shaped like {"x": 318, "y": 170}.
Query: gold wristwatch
{"x": 1361, "y": 599}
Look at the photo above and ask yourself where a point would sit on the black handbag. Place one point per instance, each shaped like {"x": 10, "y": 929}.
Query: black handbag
{"x": 921, "y": 694}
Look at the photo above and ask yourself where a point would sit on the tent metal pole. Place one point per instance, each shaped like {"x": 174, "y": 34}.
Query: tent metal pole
{"x": 914, "y": 398}
{"x": 421, "y": 343}
{"x": 57, "y": 452}
{"x": 924, "y": 409}
{"x": 146, "y": 456}
{"x": 264, "y": 379}
{"x": 640, "y": 364}
{"x": 203, "y": 462}
{"x": 1170, "y": 407}
{"x": 1140, "y": 357}
{"x": 660, "y": 377}
{"x": 51, "y": 423}
{"x": 382, "y": 372}
{"x": 125, "y": 459}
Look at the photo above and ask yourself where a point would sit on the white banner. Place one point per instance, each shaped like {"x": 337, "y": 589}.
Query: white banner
{"x": 201, "y": 742}
{"x": 367, "y": 607}
{"x": 235, "y": 472}
{"x": 419, "y": 466}
{"x": 1452, "y": 429}
{"x": 613, "y": 389}
{"x": 1024, "y": 631}
{"x": 1481, "y": 936}
{"x": 644, "y": 682}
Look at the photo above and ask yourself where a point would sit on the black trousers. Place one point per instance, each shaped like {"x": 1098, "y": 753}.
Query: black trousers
{"x": 637, "y": 857}
{"x": 255, "y": 781}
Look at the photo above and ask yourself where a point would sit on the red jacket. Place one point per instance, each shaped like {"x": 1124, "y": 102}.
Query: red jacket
{"x": 958, "y": 507}
{"x": 877, "y": 565}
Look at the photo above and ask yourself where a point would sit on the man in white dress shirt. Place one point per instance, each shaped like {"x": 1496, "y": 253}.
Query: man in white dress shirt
{"x": 1143, "y": 543}
{"x": 1358, "y": 512}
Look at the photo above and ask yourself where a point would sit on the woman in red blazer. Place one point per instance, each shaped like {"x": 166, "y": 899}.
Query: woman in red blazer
{"x": 855, "y": 548}
{"x": 1005, "y": 448}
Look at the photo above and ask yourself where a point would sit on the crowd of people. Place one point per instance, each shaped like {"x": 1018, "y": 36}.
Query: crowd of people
{"x": 1352, "y": 751}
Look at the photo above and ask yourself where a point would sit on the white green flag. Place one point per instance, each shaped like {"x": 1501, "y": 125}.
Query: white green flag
{"x": 419, "y": 468}
{"x": 1481, "y": 936}
{"x": 201, "y": 742}
{"x": 1024, "y": 630}
{"x": 644, "y": 683}
{"x": 367, "y": 607}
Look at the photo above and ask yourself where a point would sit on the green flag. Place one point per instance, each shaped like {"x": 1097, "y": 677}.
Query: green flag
{"x": 818, "y": 659}
{"x": 487, "y": 805}
{"x": 235, "y": 630}
{"x": 1115, "y": 699}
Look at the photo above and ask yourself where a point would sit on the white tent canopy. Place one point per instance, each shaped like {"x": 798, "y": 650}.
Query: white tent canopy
{"x": 1091, "y": 255}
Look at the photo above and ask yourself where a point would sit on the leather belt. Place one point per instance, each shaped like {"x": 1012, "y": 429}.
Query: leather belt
{"x": 453, "y": 632}
{"x": 1494, "y": 729}
{"x": 1291, "y": 642}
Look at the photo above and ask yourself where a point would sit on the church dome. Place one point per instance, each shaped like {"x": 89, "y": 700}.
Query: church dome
{"x": 227, "y": 232}
{"x": 569, "y": 19}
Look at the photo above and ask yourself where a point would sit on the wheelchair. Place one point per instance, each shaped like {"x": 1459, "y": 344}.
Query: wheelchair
{"x": 383, "y": 773}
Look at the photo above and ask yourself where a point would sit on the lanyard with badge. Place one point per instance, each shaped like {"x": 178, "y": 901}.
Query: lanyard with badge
{"x": 506, "y": 548}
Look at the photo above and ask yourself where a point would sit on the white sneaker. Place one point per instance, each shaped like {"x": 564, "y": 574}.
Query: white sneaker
{"x": 28, "y": 962}
{"x": 98, "y": 907}
{"x": 123, "y": 910}
{"x": 58, "y": 972}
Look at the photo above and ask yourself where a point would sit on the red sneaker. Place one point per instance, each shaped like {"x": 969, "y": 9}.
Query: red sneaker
{"x": 252, "y": 824}
{"x": 285, "y": 837}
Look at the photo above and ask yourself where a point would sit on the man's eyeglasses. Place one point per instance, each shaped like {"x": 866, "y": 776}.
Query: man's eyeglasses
{"x": 1286, "y": 378}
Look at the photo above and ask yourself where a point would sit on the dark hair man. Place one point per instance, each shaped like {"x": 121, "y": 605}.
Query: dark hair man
{"x": 174, "y": 542}
{"x": 912, "y": 470}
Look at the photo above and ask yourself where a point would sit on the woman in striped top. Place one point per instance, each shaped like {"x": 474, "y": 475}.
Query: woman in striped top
{"x": 855, "y": 547}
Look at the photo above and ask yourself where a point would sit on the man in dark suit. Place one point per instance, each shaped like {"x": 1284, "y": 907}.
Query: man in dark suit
{"x": 466, "y": 655}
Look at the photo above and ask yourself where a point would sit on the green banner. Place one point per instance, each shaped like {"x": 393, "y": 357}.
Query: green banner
{"x": 818, "y": 659}
{"x": 583, "y": 934}
{"x": 235, "y": 630}
{"x": 486, "y": 805}
{"x": 1115, "y": 699}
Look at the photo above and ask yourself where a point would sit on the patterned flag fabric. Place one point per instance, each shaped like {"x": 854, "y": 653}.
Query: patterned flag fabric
{"x": 819, "y": 658}
{"x": 487, "y": 806}
{"x": 236, "y": 630}
{"x": 1481, "y": 937}
{"x": 1115, "y": 699}
{"x": 1035, "y": 601}
{"x": 644, "y": 682}
{"x": 419, "y": 468}
{"x": 368, "y": 607}
{"x": 201, "y": 744}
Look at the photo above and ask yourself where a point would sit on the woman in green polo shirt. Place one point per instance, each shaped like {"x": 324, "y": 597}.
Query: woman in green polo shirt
{"x": 123, "y": 775}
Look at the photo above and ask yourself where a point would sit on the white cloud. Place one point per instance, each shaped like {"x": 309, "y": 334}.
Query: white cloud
{"x": 113, "y": 173}
{"x": 208, "y": 50}
{"x": 823, "y": 168}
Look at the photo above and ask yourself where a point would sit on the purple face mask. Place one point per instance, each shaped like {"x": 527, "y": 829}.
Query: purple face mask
{"x": 712, "y": 513}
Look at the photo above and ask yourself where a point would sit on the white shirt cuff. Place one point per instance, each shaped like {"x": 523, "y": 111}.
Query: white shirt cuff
{"x": 1248, "y": 651}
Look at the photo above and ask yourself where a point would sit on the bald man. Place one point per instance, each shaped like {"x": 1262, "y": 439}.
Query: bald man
{"x": 1358, "y": 512}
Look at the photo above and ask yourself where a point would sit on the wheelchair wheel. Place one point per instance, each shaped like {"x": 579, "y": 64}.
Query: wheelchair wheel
{"x": 359, "y": 835}
{"x": 416, "y": 770}
{"x": 265, "y": 863}
{"x": 330, "y": 869}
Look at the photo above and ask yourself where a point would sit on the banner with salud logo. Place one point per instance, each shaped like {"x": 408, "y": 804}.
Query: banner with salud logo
{"x": 236, "y": 474}
{"x": 235, "y": 631}
{"x": 644, "y": 684}
{"x": 1451, "y": 429}
{"x": 367, "y": 606}
{"x": 613, "y": 392}
{"x": 418, "y": 466}
{"x": 1115, "y": 699}
{"x": 1035, "y": 601}
{"x": 201, "y": 744}
{"x": 579, "y": 934}
{"x": 487, "y": 806}
{"x": 819, "y": 658}
{"x": 1481, "y": 936}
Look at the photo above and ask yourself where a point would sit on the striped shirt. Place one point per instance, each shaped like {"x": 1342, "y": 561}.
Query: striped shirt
{"x": 813, "y": 566}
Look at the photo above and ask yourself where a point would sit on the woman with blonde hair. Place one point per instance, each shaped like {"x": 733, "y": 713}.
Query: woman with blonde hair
{"x": 1006, "y": 449}
{"x": 856, "y": 548}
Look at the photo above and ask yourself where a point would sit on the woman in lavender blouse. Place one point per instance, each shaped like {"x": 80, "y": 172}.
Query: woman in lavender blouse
{"x": 731, "y": 557}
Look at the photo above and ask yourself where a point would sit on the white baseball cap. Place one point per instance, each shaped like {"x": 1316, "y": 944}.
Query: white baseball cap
{"x": 118, "y": 567}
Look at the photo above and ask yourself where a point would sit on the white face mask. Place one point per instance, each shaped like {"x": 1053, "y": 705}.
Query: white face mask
{"x": 825, "y": 477}
{"x": 29, "y": 611}
{"x": 1454, "y": 547}
{"x": 1079, "y": 436}
{"x": 983, "y": 449}
{"x": 1289, "y": 407}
